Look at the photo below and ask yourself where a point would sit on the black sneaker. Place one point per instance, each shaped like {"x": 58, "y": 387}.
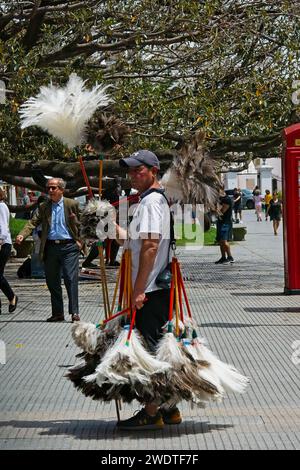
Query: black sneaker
{"x": 142, "y": 421}
{"x": 221, "y": 261}
{"x": 171, "y": 415}
{"x": 230, "y": 259}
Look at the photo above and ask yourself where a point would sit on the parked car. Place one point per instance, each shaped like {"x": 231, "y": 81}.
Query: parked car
{"x": 247, "y": 198}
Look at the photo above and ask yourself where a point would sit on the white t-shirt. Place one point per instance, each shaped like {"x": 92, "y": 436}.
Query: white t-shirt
{"x": 151, "y": 216}
{"x": 4, "y": 224}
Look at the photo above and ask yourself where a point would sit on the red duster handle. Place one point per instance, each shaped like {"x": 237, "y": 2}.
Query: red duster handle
{"x": 85, "y": 177}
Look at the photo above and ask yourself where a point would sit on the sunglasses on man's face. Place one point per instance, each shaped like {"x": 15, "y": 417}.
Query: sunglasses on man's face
{"x": 52, "y": 188}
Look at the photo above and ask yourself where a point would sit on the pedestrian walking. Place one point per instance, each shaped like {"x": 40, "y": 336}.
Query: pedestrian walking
{"x": 60, "y": 247}
{"x": 258, "y": 198}
{"x": 224, "y": 228}
{"x": 150, "y": 256}
{"x": 5, "y": 250}
{"x": 267, "y": 199}
{"x": 153, "y": 365}
{"x": 237, "y": 205}
{"x": 275, "y": 211}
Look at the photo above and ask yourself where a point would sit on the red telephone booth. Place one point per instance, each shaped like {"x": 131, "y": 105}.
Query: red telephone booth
{"x": 291, "y": 208}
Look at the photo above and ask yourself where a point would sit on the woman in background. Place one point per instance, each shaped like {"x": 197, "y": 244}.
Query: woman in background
{"x": 5, "y": 249}
{"x": 275, "y": 212}
{"x": 258, "y": 205}
{"x": 267, "y": 200}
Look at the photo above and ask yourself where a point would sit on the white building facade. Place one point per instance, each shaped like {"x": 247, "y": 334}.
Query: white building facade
{"x": 264, "y": 173}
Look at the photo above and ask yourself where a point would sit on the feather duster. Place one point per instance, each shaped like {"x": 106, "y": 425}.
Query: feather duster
{"x": 85, "y": 336}
{"x": 184, "y": 381}
{"x": 127, "y": 363}
{"x": 65, "y": 111}
{"x": 104, "y": 132}
{"x": 116, "y": 365}
{"x": 204, "y": 367}
{"x": 96, "y": 221}
{"x": 93, "y": 340}
{"x": 192, "y": 177}
{"x": 229, "y": 378}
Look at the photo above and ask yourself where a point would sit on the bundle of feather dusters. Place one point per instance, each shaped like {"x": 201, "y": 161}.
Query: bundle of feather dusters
{"x": 67, "y": 113}
{"x": 97, "y": 221}
{"x": 192, "y": 177}
{"x": 183, "y": 368}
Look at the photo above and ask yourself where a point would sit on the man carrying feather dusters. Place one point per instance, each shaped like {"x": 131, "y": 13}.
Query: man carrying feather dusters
{"x": 60, "y": 247}
{"x": 148, "y": 239}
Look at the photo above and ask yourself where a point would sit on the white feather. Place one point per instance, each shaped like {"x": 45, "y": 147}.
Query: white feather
{"x": 64, "y": 112}
{"x": 85, "y": 336}
{"x": 169, "y": 350}
{"x": 205, "y": 373}
{"x": 171, "y": 185}
{"x": 146, "y": 361}
{"x": 227, "y": 375}
{"x": 142, "y": 364}
{"x": 107, "y": 373}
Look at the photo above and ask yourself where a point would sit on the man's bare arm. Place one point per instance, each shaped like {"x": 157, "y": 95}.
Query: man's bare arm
{"x": 146, "y": 262}
{"x": 121, "y": 234}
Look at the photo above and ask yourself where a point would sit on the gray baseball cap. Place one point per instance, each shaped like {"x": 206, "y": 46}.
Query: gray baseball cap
{"x": 140, "y": 157}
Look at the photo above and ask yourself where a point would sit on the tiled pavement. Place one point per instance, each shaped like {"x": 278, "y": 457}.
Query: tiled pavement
{"x": 246, "y": 320}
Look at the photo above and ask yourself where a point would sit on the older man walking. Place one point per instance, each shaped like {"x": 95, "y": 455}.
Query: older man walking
{"x": 60, "y": 247}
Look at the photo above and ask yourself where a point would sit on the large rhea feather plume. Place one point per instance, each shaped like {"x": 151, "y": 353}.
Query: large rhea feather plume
{"x": 192, "y": 177}
{"x": 64, "y": 111}
{"x": 104, "y": 132}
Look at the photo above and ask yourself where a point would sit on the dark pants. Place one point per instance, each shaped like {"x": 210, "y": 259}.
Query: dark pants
{"x": 153, "y": 316}
{"x": 4, "y": 286}
{"x": 94, "y": 252}
{"x": 62, "y": 260}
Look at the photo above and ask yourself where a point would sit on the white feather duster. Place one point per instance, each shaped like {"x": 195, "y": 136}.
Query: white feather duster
{"x": 169, "y": 350}
{"x": 64, "y": 112}
{"x": 127, "y": 363}
{"x": 227, "y": 375}
{"x": 96, "y": 221}
{"x": 205, "y": 373}
{"x": 184, "y": 374}
{"x": 146, "y": 361}
{"x": 85, "y": 336}
{"x": 118, "y": 365}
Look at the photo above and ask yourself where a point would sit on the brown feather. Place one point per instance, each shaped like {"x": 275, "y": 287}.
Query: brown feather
{"x": 196, "y": 174}
{"x": 104, "y": 132}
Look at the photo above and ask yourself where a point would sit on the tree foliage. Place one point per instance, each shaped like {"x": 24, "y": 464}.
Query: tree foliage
{"x": 225, "y": 66}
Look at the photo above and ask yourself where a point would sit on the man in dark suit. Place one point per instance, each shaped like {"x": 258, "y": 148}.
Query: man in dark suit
{"x": 60, "y": 247}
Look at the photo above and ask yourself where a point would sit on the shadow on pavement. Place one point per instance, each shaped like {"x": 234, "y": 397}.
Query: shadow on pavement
{"x": 99, "y": 429}
{"x": 257, "y": 294}
{"x": 34, "y": 321}
{"x": 273, "y": 309}
{"x": 242, "y": 325}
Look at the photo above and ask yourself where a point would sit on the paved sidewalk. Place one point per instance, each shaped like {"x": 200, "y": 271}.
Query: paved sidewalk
{"x": 246, "y": 320}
